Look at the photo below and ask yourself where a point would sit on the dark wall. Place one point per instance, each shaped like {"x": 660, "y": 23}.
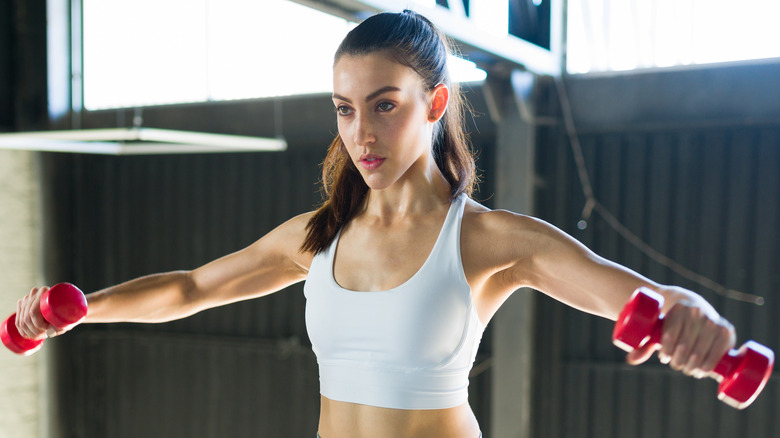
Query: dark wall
{"x": 6, "y": 36}
{"x": 733, "y": 94}
{"x": 22, "y": 65}
{"x": 233, "y": 371}
{"x": 702, "y": 188}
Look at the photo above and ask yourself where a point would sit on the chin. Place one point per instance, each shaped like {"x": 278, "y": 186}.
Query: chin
{"x": 376, "y": 186}
{"x": 375, "y": 183}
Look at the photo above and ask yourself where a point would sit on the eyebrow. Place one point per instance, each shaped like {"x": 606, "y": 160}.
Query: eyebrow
{"x": 385, "y": 89}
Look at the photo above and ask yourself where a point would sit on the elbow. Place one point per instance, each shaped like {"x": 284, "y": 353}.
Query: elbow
{"x": 192, "y": 297}
{"x": 182, "y": 298}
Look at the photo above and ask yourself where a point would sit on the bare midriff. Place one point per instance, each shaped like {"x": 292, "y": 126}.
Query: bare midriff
{"x": 350, "y": 420}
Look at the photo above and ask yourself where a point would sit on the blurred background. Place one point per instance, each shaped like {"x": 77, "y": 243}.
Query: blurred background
{"x": 648, "y": 130}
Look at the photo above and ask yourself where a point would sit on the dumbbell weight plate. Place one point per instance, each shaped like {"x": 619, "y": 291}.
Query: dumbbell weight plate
{"x": 15, "y": 341}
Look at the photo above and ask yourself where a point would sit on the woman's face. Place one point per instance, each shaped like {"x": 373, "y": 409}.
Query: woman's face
{"x": 385, "y": 117}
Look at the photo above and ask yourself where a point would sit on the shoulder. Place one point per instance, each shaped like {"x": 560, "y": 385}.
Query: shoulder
{"x": 293, "y": 230}
{"x": 286, "y": 239}
{"x": 297, "y": 224}
{"x": 482, "y": 222}
{"x": 501, "y": 241}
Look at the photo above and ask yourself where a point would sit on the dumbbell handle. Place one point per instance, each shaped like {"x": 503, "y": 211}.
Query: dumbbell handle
{"x": 63, "y": 306}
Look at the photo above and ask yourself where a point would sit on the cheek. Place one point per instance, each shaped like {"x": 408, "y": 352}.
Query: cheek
{"x": 348, "y": 145}
{"x": 340, "y": 125}
{"x": 406, "y": 124}
{"x": 344, "y": 132}
{"x": 414, "y": 132}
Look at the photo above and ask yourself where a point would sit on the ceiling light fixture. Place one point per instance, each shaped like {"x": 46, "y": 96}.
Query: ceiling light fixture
{"x": 136, "y": 141}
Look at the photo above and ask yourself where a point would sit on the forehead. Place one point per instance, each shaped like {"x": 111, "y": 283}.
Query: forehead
{"x": 357, "y": 76}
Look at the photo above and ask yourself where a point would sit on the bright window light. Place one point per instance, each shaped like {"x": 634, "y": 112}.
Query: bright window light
{"x": 622, "y": 35}
{"x": 491, "y": 17}
{"x": 152, "y": 52}
{"x": 462, "y": 70}
{"x": 270, "y": 48}
{"x": 144, "y": 52}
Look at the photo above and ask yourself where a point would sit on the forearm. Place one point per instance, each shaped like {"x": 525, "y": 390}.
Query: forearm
{"x": 616, "y": 288}
{"x": 604, "y": 288}
{"x": 594, "y": 284}
{"x": 154, "y": 298}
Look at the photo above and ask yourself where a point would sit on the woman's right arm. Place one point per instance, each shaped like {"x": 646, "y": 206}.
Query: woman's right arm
{"x": 268, "y": 265}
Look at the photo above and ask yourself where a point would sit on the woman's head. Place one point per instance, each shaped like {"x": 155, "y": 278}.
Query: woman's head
{"x": 410, "y": 40}
{"x": 386, "y": 120}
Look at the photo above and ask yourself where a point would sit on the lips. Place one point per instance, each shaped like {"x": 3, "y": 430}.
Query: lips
{"x": 370, "y": 161}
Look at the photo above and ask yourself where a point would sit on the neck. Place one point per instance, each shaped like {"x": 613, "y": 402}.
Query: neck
{"x": 420, "y": 191}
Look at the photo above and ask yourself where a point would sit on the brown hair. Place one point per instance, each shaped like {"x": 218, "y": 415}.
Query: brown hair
{"x": 411, "y": 40}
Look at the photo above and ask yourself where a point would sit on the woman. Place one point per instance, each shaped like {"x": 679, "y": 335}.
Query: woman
{"x": 403, "y": 270}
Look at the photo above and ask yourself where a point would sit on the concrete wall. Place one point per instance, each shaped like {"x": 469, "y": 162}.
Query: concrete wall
{"x": 21, "y": 379}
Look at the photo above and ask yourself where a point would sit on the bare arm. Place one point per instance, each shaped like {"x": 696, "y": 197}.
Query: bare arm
{"x": 268, "y": 265}
{"x": 546, "y": 259}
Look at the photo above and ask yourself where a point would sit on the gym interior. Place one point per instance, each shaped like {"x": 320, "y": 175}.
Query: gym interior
{"x": 670, "y": 167}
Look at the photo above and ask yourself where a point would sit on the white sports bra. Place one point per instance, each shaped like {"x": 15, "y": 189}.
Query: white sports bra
{"x": 410, "y": 347}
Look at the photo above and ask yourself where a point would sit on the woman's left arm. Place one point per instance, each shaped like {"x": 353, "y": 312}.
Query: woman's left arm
{"x": 694, "y": 336}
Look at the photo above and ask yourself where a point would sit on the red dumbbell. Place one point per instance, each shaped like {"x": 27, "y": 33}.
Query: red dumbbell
{"x": 63, "y": 306}
{"x": 741, "y": 373}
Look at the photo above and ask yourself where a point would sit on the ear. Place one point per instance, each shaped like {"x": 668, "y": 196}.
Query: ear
{"x": 440, "y": 97}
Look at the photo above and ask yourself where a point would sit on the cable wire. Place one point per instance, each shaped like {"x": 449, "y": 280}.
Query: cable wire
{"x": 592, "y": 204}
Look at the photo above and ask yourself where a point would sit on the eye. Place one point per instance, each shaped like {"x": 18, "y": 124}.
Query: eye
{"x": 343, "y": 110}
{"x": 385, "y": 106}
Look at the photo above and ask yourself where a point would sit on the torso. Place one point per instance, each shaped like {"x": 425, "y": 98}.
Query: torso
{"x": 363, "y": 246}
{"x": 350, "y": 420}
{"x": 367, "y": 244}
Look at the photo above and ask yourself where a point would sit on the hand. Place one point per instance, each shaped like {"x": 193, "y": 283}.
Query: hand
{"x": 693, "y": 340}
{"x": 29, "y": 320}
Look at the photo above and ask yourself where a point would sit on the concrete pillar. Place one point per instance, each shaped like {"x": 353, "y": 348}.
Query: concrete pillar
{"x": 22, "y": 395}
{"x": 509, "y": 99}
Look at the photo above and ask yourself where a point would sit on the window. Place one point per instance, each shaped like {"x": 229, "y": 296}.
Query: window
{"x": 147, "y": 52}
{"x": 606, "y": 35}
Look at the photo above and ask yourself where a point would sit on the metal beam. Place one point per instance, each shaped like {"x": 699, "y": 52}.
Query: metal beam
{"x": 476, "y": 44}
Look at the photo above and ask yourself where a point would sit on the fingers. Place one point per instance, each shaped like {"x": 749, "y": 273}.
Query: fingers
{"x": 29, "y": 320}
{"x": 681, "y": 330}
{"x": 725, "y": 339}
{"x": 642, "y": 354}
{"x": 694, "y": 339}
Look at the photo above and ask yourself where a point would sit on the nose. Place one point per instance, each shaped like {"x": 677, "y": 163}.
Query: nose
{"x": 363, "y": 131}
